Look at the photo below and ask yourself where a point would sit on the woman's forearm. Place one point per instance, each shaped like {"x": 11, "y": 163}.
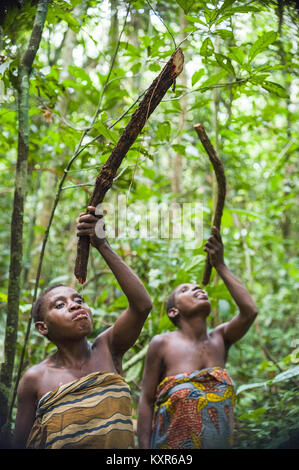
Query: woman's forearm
{"x": 129, "y": 282}
{"x": 237, "y": 290}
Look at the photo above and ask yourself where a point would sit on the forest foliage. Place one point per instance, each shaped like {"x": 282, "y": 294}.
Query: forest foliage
{"x": 93, "y": 65}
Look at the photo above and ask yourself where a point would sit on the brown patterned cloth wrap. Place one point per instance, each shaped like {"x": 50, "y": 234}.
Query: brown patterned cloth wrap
{"x": 93, "y": 412}
{"x": 194, "y": 411}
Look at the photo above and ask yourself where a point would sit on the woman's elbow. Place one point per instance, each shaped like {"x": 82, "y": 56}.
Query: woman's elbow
{"x": 147, "y": 307}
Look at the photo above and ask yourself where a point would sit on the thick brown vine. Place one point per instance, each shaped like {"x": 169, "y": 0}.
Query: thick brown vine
{"x": 104, "y": 181}
{"x": 221, "y": 189}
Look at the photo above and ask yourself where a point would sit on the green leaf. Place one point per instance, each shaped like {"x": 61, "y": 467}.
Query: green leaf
{"x": 245, "y": 387}
{"x": 179, "y": 148}
{"x": 80, "y": 73}
{"x": 214, "y": 79}
{"x": 146, "y": 40}
{"x": 249, "y": 213}
{"x": 134, "y": 372}
{"x": 225, "y": 63}
{"x": 194, "y": 263}
{"x": 226, "y": 5}
{"x": 163, "y": 130}
{"x": 207, "y": 48}
{"x": 275, "y": 88}
{"x": 186, "y": 5}
{"x": 282, "y": 377}
{"x": 197, "y": 76}
{"x": 3, "y": 297}
{"x": 195, "y": 19}
{"x": 227, "y": 218}
{"x": 259, "y": 79}
{"x": 237, "y": 55}
{"x": 67, "y": 17}
{"x": 261, "y": 44}
{"x": 286, "y": 375}
{"x": 110, "y": 135}
{"x": 224, "y": 33}
{"x": 5, "y": 65}
{"x": 120, "y": 302}
{"x": 253, "y": 414}
{"x": 154, "y": 67}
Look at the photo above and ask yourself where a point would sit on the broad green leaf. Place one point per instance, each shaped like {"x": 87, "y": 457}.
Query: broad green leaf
{"x": 197, "y": 76}
{"x": 253, "y": 414}
{"x": 154, "y": 67}
{"x": 120, "y": 302}
{"x": 246, "y": 387}
{"x": 3, "y": 297}
{"x": 224, "y": 33}
{"x": 146, "y": 40}
{"x": 237, "y": 55}
{"x": 210, "y": 15}
{"x": 207, "y": 48}
{"x": 80, "y": 73}
{"x": 275, "y": 88}
{"x": 186, "y": 4}
{"x": 261, "y": 44}
{"x": 214, "y": 79}
{"x": 225, "y": 63}
{"x": 195, "y": 19}
{"x": 246, "y": 9}
{"x": 4, "y": 66}
{"x": 286, "y": 375}
{"x": 179, "y": 148}
{"x": 246, "y": 212}
{"x": 259, "y": 79}
{"x": 138, "y": 357}
{"x": 110, "y": 135}
{"x": 282, "y": 377}
{"x": 227, "y": 218}
{"x": 163, "y": 130}
{"x": 134, "y": 372}
{"x": 194, "y": 263}
{"x": 68, "y": 18}
{"x": 226, "y": 5}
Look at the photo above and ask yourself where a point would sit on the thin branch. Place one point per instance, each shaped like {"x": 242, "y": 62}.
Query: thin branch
{"x": 163, "y": 22}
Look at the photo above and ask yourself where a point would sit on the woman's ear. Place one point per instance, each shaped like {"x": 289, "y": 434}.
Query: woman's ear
{"x": 41, "y": 327}
{"x": 173, "y": 313}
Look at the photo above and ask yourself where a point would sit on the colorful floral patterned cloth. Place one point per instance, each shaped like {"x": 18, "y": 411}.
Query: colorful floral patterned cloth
{"x": 194, "y": 411}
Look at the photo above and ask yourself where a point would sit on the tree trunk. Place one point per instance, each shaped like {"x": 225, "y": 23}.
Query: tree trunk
{"x": 16, "y": 243}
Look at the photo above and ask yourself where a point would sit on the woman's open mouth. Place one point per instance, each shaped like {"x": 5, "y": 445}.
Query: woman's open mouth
{"x": 80, "y": 315}
{"x": 201, "y": 295}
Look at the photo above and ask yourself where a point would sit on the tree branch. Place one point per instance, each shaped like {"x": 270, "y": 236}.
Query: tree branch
{"x": 221, "y": 189}
{"x": 104, "y": 180}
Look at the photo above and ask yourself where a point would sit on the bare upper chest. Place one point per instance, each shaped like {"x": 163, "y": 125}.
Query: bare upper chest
{"x": 54, "y": 375}
{"x": 182, "y": 355}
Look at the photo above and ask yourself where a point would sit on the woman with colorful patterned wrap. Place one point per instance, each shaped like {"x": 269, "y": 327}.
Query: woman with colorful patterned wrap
{"x": 187, "y": 396}
{"x": 194, "y": 411}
